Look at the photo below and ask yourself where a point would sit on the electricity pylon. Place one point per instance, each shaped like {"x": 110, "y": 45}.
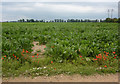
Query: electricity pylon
{"x": 108, "y": 13}
{"x": 111, "y": 13}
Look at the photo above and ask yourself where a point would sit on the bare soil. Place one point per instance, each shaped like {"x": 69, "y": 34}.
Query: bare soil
{"x": 38, "y": 49}
{"x": 66, "y": 78}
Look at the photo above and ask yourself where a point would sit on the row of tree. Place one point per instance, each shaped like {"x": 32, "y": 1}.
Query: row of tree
{"x": 115, "y": 20}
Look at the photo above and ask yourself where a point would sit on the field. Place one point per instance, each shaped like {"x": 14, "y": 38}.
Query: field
{"x": 69, "y": 48}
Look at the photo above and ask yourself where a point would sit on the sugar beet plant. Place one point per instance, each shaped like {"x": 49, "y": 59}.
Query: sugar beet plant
{"x": 64, "y": 41}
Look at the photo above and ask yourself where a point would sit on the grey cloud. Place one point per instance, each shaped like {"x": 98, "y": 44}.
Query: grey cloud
{"x": 52, "y": 10}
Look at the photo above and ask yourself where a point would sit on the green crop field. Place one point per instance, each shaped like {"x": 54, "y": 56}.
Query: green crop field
{"x": 70, "y": 48}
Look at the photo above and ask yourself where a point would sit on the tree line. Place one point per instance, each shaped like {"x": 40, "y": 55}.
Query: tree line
{"x": 113, "y": 20}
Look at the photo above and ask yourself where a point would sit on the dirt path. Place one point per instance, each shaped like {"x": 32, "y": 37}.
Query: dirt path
{"x": 66, "y": 78}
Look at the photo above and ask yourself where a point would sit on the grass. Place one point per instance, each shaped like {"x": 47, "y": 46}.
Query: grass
{"x": 44, "y": 67}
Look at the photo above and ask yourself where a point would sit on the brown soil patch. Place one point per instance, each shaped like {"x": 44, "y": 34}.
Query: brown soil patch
{"x": 67, "y": 78}
{"x": 38, "y": 49}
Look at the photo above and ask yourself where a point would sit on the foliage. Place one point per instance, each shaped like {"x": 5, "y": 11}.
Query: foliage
{"x": 64, "y": 41}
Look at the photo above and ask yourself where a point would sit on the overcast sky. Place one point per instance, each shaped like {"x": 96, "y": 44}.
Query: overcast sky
{"x": 14, "y": 10}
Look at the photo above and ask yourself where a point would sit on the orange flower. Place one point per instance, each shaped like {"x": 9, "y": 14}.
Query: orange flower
{"x": 32, "y": 56}
{"x": 37, "y": 54}
{"x": 15, "y": 56}
{"x": 2, "y": 58}
{"x": 51, "y": 61}
{"x": 115, "y": 55}
{"x": 105, "y": 66}
{"x": 5, "y": 55}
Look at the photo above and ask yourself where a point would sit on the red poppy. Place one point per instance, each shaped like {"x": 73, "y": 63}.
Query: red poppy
{"x": 51, "y": 61}
{"x": 32, "y": 56}
{"x": 37, "y": 57}
{"x": 103, "y": 56}
{"x": 37, "y": 54}
{"x": 5, "y": 55}
{"x": 44, "y": 46}
{"x": 2, "y": 58}
{"x": 105, "y": 66}
{"x": 104, "y": 51}
{"x": 15, "y": 56}
{"x": 26, "y": 51}
{"x": 23, "y": 51}
{"x": 80, "y": 56}
{"x": 94, "y": 59}
{"x": 115, "y": 55}
{"x": 113, "y": 52}
{"x": 106, "y": 55}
